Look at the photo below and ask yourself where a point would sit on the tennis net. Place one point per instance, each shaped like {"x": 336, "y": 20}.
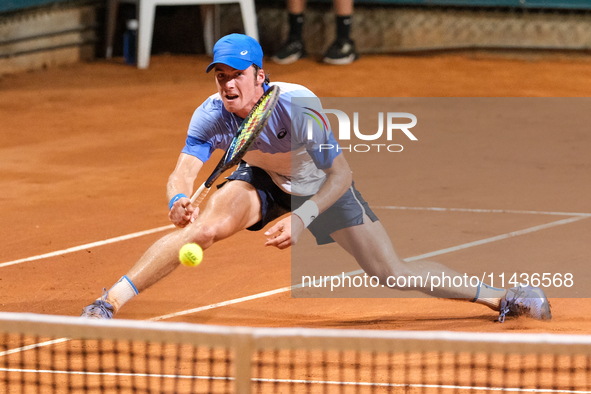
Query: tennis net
{"x": 57, "y": 354}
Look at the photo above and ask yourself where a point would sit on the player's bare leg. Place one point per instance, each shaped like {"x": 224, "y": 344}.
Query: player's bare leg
{"x": 371, "y": 246}
{"x": 232, "y": 208}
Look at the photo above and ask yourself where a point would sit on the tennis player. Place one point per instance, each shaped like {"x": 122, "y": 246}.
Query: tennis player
{"x": 282, "y": 164}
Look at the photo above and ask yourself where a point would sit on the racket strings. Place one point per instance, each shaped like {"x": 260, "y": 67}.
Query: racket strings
{"x": 250, "y": 127}
{"x": 246, "y": 134}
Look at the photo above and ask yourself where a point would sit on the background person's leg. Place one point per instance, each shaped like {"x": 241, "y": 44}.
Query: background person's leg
{"x": 342, "y": 50}
{"x": 293, "y": 48}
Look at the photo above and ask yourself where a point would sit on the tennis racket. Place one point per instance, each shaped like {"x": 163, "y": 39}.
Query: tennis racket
{"x": 248, "y": 131}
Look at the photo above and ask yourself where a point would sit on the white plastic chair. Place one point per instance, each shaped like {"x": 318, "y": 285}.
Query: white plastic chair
{"x": 146, "y": 10}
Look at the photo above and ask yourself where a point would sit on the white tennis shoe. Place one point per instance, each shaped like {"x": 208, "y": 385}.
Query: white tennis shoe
{"x": 100, "y": 309}
{"x": 525, "y": 301}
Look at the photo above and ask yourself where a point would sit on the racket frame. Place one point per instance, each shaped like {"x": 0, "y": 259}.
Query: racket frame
{"x": 225, "y": 164}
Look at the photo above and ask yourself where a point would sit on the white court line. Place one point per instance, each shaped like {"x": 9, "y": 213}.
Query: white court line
{"x": 357, "y": 272}
{"x": 360, "y": 271}
{"x": 170, "y": 227}
{"x": 473, "y": 210}
{"x": 417, "y": 385}
{"x": 33, "y": 346}
{"x": 88, "y": 246}
{"x": 299, "y": 381}
{"x": 499, "y": 237}
{"x": 351, "y": 273}
{"x": 224, "y": 303}
{"x": 148, "y": 375}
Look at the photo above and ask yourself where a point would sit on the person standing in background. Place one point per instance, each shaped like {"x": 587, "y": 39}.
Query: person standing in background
{"x": 341, "y": 51}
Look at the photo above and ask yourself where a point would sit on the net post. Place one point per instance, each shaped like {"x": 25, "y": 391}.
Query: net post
{"x": 244, "y": 351}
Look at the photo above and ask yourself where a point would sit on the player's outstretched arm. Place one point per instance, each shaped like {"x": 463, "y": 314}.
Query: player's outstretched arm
{"x": 180, "y": 187}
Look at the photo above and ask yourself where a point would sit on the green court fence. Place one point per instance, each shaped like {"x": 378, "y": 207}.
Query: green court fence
{"x": 12, "y": 5}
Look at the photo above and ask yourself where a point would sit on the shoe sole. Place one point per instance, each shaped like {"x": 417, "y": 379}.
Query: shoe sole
{"x": 98, "y": 317}
{"x": 288, "y": 60}
{"x": 342, "y": 61}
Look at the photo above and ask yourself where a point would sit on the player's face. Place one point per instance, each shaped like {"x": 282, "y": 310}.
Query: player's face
{"x": 239, "y": 89}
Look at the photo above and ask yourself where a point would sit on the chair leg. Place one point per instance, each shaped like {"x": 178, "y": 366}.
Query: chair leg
{"x": 208, "y": 18}
{"x": 112, "y": 8}
{"x": 217, "y": 28}
{"x": 249, "y": 18}
{"x": 147, "y": 9}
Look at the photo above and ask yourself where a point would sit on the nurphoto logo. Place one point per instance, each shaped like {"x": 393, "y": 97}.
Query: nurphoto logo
{"x": 391, "y": 119}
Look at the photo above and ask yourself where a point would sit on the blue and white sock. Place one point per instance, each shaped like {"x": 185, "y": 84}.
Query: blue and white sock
{"x": 489, "y": 296}
{"x": 121, "y": 292}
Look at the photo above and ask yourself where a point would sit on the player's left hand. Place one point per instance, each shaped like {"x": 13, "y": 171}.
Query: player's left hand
{"x": 285, "y": 232}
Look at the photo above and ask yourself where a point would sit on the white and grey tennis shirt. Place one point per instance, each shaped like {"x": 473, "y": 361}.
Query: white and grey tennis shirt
{"x": 283, "y": 149}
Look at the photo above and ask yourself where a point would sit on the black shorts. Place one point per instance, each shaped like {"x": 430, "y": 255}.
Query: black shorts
{"x": 347, "y": 211}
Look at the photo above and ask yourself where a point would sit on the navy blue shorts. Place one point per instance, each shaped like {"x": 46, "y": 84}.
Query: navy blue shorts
{"x": 347, "y": 211}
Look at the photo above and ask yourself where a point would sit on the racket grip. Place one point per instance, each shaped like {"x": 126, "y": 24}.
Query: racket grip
{"x": 199, "y": 195}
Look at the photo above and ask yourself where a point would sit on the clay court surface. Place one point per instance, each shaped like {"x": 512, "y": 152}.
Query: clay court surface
{"x": 86, "y": 150}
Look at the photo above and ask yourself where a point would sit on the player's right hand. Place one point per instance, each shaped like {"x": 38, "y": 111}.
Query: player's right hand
{"x": 285, "y": 232}
{"x": 183, "y": 213}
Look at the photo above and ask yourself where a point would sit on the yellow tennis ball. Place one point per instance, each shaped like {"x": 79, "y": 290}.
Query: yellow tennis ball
{"x": 191, "y": 255}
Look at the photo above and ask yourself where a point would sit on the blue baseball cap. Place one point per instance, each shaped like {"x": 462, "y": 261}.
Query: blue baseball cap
{"x": 237, "y": 51}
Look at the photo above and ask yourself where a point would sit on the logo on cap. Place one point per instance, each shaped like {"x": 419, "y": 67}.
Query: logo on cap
{"x": 238, "y": 51}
